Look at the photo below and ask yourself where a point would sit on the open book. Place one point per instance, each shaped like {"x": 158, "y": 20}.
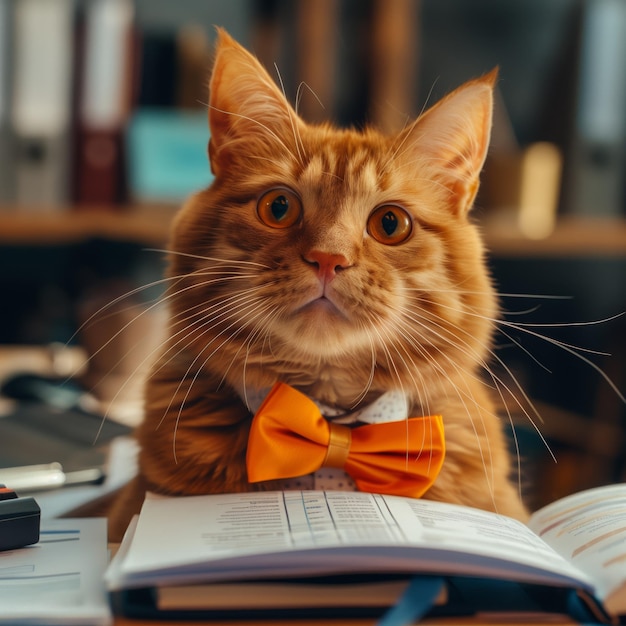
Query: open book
{"x": 358, "y": 552}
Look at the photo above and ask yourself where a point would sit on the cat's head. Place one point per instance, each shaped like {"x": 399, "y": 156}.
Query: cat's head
{"x": 318, "y": 248}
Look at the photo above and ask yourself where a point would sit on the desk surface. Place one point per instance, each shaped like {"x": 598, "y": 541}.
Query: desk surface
{"x": 342, "y": 622}
{"x": 346, "y": 622}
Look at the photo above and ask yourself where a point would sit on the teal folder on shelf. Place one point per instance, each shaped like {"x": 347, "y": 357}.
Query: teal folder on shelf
{"x": 167, "y": 154}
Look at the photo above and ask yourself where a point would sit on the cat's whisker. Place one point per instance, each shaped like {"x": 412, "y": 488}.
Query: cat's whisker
{"x": 525, "y": 350}
{"x": 429, "y": 325}
{"x": 498, "y": 381}
{"x": 574, "y": 350}
{"x": 332, "y": 175}
{"x": 196, "y": 364}
{"x": 150, "y": 356}
{"x": 406, "y": 135}
{"x": 149, "y": 309}
{"x": 391, "y": 158}
{"x": 396, "y": 324}
{"x": 604, "y": 320}
{"x": 370, "y": 379}
{"x": 146, "y": 310}
{"x": 238, "y": 263}
{"x": 299, "y": 98}
{"x": 535, "y": 296}
{"x": 456, "y": 290}
{"x": 293, "y": 121}
{"x": 199, "y": 370}
{"x": 418, "y": 389}
{"x": 452, "y": 337}
{"x": 115, "y": 301}
{"x": 513, "y": 340}
{"x": 528, "y": 311}
{"x": 202, "y": 285}
{"x": 262, "y": 328}
{"x": 406, "y": 330}
{"x": 462, "y": 394}
{"x": 101, "y": 312}
{"x": 418, "y": 385}
{"x": 305, "y": 85}
{"x": 522, "y": 403}
{"x": 216, "y": 310}
{"x": 428, "y": 97}
{"x": 223, "y": 308}
{"x": 499, "y": 322}
{"x": 207, "y": 319}
{"x": 391, "y": 360}
{"x": 265, "y": 159}
{"x": 259, "y": 327}
{"x": 569, "y": 348}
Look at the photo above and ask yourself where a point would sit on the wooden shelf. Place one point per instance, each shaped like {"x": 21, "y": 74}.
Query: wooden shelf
{"x": 149, "y": 224}
{"x": 572, "y": 237}
{"x": 146, "y": 224}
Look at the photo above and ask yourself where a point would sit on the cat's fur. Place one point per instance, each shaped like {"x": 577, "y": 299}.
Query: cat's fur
{"x": 242, "y": 296}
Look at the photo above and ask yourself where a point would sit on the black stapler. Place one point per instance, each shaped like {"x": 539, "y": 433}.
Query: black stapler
{"x": 19, "y": 520}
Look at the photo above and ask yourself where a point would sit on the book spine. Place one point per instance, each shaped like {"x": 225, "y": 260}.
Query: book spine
{"x": 6, "y": 162}
{"x": 41, "y": 101}
{"x": 599, "y": 156}
{"x": 104, "y": 103}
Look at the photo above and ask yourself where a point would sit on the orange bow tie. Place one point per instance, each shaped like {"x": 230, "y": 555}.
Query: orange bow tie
{"x": 290, "y": 437}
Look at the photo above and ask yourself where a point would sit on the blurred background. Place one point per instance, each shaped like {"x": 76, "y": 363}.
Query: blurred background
{"x": 103, "y": 134}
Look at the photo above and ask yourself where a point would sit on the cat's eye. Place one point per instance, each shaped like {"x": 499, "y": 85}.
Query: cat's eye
{"x": 389, "y": 224}
{"x": 279, "y": 208}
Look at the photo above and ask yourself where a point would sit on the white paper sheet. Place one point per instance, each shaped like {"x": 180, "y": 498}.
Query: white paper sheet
{"x": 58, "y": 580}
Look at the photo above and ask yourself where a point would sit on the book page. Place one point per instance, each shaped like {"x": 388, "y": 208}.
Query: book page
{"x": 589, "y": 529}
{"x": 58, "y": 580}
{"x": 230, "y": 536}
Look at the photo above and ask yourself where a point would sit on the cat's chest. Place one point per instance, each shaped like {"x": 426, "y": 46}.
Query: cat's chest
{"x": 332, "y": 386}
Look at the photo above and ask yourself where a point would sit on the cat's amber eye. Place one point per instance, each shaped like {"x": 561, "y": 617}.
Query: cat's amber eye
{"x": 279, "y": 208}
{"x": 389, "y": 224}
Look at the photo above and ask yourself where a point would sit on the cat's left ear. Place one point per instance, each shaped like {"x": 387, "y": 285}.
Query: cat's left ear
{"x": 452, "y": 139}
{"x": 248, "y": 114}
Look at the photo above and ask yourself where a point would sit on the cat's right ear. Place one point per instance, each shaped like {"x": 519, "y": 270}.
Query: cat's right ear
{"x": 248, "y": 114}
{"x": 452, "y": 138}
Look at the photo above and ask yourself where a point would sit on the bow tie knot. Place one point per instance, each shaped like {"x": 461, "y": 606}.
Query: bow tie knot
{"x": 289, "y": 437}
{"x": 339, "y": 441}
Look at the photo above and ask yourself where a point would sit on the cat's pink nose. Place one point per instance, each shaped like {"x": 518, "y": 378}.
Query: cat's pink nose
{"x": 326, "y": 264}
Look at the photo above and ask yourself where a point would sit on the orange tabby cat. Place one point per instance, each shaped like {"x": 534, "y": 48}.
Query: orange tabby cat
{"x": 340, "y": 262}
